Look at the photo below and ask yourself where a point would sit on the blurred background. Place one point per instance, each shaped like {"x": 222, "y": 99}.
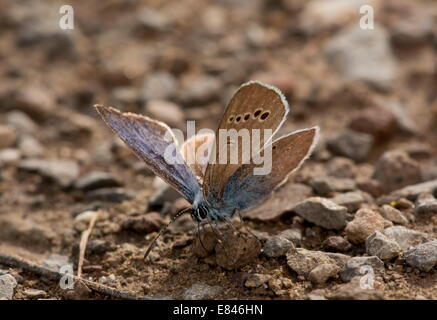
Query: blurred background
{"x": 370, "y": 91}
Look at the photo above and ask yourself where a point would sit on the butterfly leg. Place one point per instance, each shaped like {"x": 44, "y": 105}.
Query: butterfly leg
{"x": 199, "y": 236}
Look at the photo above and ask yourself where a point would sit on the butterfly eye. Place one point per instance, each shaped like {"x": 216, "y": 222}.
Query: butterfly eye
{"x": 257, "y": 113}
{"x": 265, "y": 115}
{"x": 246, "y": 117}
{"x": 238, "y": 119}
{"x": 231, "y": 118}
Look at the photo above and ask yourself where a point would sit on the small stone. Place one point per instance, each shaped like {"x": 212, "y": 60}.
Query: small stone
{"x": 376, "y": 121}
{"x": 96, "y": 180}
{"x": 56, "y": 261}
{"x": 336, "y": 244}
{"x": 7, "y": 286}
{"x": 257, "y": 280}
{"x": 111, "y": 278}
{"x": 351, "y": 200}
{"x": 323, "y": 272}
{"x": 163, "y": 194}
{"x": 237, "y": 250}
{"x": 413, "y": 191}
{"x": 302, "y": 261}
{"x": 110, "y": 194}
{"x": 340, "y": 167}
{"x": 158, "y": 85}
{"x": 63, "y": 172}
{"x": 393, "y": 214}
{"x": 326, "y": 185}
{"x": 79, "y": 292}
{"x": 35, "y": 293}
{"x": 166, "y": 111}
{"x": 200, "y": 90}
{"x": 94, "y": 247}
{"x": 426, "y": 204}
{"x": 365, "y": 223}
{"x": 201, "y": 291}
{"x": 354, "y": 290}
{"x": 322, "y": 212}
{"x": 293, "y": 234}
{"x": 353, "y": 53}
{"x": 152, "y": 20}
{"x": 276, "y": 247}
{"x": 357, "y": 266}
{"x": 351, "y": 144}
{"x": 395, "y": 169}
{"x": 9, "y": 156}
{"x": 281, "y": 201}
{"x": 318, "y": 294}
{"x": 144, "y": 224}
{"x": 371, "y": 186}
{"x": 8, "y": 136}
{"x": 205, "y": 242}
{"x": 30, "y": 147}
{"x": 21, "y": 122}
{"x": 381, "y": 246}
{"x": 423, "y": 256}
{"x": 405, "y": 238}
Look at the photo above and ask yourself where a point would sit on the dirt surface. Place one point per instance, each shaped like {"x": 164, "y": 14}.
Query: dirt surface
{"x": 373, "y": 96}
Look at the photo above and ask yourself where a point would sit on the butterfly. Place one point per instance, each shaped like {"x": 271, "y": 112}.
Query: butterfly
{"x": 217, "y": 190}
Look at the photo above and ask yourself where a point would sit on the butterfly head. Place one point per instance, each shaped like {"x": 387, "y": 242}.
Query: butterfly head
{"x": 200, "y": 212}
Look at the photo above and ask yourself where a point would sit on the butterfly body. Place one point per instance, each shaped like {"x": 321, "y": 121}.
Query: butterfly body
{"x": 215, "y": 189}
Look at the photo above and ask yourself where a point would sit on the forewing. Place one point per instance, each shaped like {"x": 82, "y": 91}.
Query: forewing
{"x": 254, "y": 106}
{"x": 245, "y": 189}
{"x": 153, "y": 142}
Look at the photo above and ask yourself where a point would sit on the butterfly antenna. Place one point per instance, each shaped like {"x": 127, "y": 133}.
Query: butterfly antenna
{"x": 163, "y": 230}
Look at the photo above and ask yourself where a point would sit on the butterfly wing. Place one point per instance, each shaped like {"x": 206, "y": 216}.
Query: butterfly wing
{"x": 154, "y": 143}
{"x": 254, "y": 106}
{"x": 246, "y": 189}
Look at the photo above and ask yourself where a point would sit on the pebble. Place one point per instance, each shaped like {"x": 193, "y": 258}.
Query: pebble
{"x": 257, "y": 280}
{"x": 166, "y": 111}
{"x": 144, "y": 224}
{"x": 351, "y": 200}
{"x": 56, "y": 261}
{"x": 413, "y": 191}
{"x": 63, "y": 172}
{"x": 405, "y": 238}
{"x": 336, "y": 244}
{"x": 302, "y": 261}
{"x": 277, "y": 247}
{"x": 21, "y": 122}
{"x": 326, "y": 185}
{"x": 152, "y": 20}
{"x": 361, "y": 55}
{"x": 393, "y": 214}
{"x": 79, "y": 292}
{"x": 377, "y": 244}
{"x": 322, "y": 212}
{"x": 237, "y": 250}
{"x": 205, "y": 241}
{"x": 353, "y": 291}
{"x": 282, "y": 201}
{"x": 318, "y": 294}
{"x": 293, "y": 234}
{"x": 201, "y": 291}
{"x": 365, "y": 222}
{"x": 395, "y": 169}
{"x": 9, "y": 156}
{"x": 30, "y": 147}
{"x": 158, "y": 85}
{"x": 423, "y": 256}
{"x": 110, "y": 194}
{"x": 96, "y": 180}
{"x": 426, "y": 204}
{"x": 163, "y": 194}
{"x": 200, "y": 90}
{"x": 351, "y": 144}
{"x": 94, "y": 247}
{"x": 7, "y": 286}
{"x": 354, "y": 267}
{"x": 376, "y": 121}
{"x": 8, "y": 136}
{"x": 340, "y": 167}
{"x": 35, "y": 293}
{"x": 323, "y": 272}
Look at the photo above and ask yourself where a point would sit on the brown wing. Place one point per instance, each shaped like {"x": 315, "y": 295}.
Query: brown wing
{"x": 254, "y": 106}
